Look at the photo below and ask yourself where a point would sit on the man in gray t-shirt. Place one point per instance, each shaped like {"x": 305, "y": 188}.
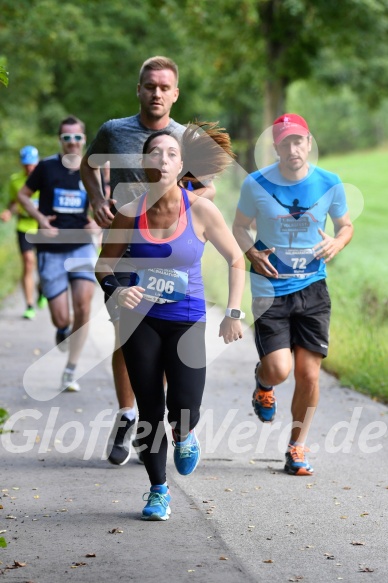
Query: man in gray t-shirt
{"x": 120, "y": 142}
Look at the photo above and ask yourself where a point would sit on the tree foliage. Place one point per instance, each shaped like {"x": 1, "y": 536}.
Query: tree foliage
{"x": 3, "y": 75}
{"x": 255, "y": 49}
{"x": 237, "y": 60}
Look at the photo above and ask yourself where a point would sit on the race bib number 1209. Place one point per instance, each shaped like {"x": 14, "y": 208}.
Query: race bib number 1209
{"x": 69, "y": 201}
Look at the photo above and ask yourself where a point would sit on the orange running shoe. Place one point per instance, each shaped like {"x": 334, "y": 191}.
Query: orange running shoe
{"x": 296, "y": 462}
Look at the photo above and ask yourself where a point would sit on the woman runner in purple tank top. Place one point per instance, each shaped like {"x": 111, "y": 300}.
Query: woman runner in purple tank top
{"x": 162, "y": 321}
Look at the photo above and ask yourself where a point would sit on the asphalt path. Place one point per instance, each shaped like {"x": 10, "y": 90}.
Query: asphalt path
{"x": 66, "y": 514}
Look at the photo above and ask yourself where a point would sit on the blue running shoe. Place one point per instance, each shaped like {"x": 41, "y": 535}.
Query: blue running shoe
{"x": 158, "y": 500}
{"x": 187, "y": 454}
{"x": 264, "y": 402}
{"x": 296, "y": 462}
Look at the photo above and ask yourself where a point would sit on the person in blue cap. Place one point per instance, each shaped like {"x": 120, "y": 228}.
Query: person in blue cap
{"x": 29, "y": 158}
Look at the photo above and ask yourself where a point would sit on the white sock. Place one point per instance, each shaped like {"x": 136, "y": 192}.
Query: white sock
{"x": 129, "y": 414}
{"x": 296, "y": 444}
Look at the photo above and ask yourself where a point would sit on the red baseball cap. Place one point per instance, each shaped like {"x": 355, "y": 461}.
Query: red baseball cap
{"x": 289, "y": 124}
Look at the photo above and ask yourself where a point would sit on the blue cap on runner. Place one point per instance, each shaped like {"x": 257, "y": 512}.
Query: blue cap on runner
{"x": 29, "y": 155}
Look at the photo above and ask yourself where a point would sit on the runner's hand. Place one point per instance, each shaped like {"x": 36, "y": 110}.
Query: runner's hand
{"x": 46, "y": 228}
{"x": 328, "y": 247}
{"x": 6, "y": 215}
{"x": 230, "y": 329}
{"x": 130, "y": 297}
{"x": 260, "y": 262}
{"x": 103, "y": 214}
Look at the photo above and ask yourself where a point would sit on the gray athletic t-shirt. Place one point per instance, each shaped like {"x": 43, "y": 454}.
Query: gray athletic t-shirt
{"x": 120, "y": 141}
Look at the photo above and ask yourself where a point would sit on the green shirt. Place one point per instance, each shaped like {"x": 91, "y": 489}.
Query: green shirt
{"x": 24, "y": 222}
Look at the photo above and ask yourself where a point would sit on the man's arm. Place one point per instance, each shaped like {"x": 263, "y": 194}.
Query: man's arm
{"x": 208, "y": 191}
{"x": 6, "y": 214}
{"x": 329, "y": 247}
{"x": 258, "y": 259}
{"x": 91, "y": 178}
{"x": 24, "y": 197}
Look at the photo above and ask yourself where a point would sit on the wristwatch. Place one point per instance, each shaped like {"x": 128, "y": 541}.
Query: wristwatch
{"x": 235, "y": 314}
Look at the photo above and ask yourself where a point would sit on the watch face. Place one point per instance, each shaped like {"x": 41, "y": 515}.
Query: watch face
{"x": 235, "y": 314}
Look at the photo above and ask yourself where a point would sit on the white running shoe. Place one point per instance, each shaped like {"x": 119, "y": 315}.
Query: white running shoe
{"x": 69, "y": 384}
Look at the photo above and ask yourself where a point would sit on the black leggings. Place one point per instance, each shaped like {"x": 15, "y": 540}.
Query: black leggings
{"x": 152, "y": 347}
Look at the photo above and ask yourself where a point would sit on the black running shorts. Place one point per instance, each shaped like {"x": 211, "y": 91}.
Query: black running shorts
{"x": 298, "y": 319}
{"x": 24, "y": 245}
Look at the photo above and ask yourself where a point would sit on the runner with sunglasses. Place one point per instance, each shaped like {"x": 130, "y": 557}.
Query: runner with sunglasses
{"x": 66, "y": 253}
{"x": 66, "y": 137}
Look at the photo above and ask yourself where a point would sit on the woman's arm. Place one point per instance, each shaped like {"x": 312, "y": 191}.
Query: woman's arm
{"x": 118, "y": 238}
{"x": 210, "y": 220}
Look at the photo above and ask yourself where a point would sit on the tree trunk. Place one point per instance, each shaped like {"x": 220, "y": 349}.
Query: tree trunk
{"x": 273, "y": 106}
{"x": 275, "y": 83}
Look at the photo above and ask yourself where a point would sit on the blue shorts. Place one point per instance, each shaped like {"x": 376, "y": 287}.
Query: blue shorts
{"x": 56, "y": 270}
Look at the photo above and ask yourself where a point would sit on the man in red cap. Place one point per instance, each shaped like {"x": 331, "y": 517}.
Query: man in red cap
{"x": 290, "y": 201}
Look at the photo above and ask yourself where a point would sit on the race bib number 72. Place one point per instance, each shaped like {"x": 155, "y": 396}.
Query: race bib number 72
{"x": 296, "y": 262}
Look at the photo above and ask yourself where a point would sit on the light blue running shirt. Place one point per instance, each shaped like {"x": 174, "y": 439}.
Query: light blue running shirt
{"x": 288, "y": 215}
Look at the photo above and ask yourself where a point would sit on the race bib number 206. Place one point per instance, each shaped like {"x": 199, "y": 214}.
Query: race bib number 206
{"x": 163, "y": 285}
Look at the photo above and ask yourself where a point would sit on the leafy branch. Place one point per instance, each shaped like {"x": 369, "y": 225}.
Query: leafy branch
{"x": 3, "y": 418}
{"x": 3, "y": 76}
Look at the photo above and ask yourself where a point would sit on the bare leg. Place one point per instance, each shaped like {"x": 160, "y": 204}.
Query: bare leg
{"x": 306, "y": 394}
{"x": 28, "y": 283}
{"x": 124, "y": 392}
{"x": 59, "y": 310}
{"x": 275, "y": 367}
{"x": 82, "y": 292}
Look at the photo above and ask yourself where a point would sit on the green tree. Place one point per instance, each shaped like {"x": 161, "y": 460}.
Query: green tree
{"x": 237, "y": 60}
{"x": 3, "y": 75}
{"x": 255, "y": 49}
{"x": 84, "y": 58}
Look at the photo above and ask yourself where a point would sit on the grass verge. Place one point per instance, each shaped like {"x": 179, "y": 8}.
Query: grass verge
{"x": 10, "y": 264}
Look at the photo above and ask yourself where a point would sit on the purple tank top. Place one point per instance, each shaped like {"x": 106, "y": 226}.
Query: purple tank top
{"x": 169, "y": 270}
